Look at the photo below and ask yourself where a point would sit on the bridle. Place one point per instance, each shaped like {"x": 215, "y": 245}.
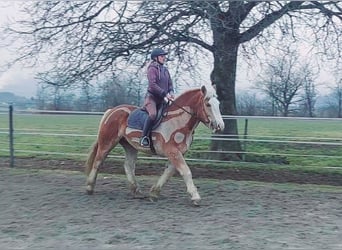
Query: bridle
{"x": 190, "y": 113}
{"x": 178, "y": 106}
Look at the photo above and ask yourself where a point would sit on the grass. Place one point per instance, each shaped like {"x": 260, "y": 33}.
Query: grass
{"x": 315, "y": 134}
{"x": 71, "y": 136}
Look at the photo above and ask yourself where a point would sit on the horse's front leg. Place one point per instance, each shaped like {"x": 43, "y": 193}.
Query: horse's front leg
{"x": 178, "y": 161}
{"x": 168, "y": 173}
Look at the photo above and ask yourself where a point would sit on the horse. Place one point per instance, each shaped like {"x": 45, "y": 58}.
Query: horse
{"x": 171, "y": 139}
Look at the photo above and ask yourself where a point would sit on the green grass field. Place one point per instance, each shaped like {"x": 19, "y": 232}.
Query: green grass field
{"x": 311, "y": 144}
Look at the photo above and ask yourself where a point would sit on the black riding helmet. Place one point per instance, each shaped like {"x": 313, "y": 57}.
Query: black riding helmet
{"x": 157, "y": 52}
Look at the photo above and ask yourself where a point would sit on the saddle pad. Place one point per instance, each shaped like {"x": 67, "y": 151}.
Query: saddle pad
{"x": 137, "y": 118}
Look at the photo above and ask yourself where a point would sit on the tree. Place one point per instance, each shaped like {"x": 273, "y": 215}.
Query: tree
{"x": 89, "y": 38}
{"x": 337, "y": 97}
{"x": 283, "y": 80}
{"x": 41, "y": 97}
{"x": 309, "y": 95}
{"x": 119, "y": 91}
{"x": 86, "y": 98}
{"x": 247, "y": 104}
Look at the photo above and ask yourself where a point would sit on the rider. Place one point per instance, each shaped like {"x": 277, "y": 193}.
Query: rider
{"x": 159, "y": 89}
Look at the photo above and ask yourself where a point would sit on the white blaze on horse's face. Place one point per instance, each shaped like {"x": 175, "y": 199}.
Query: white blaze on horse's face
{"x": 212, "y": 109}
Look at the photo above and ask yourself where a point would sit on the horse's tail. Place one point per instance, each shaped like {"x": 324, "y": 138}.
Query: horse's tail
{"x": 91, "y": 156}
{"x": 90, "y": 161}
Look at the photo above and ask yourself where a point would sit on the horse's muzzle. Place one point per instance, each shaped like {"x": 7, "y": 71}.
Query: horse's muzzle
{"x": 216, "y": 126}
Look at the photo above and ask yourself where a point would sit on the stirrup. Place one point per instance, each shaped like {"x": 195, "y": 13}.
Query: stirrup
{"x": 145, "y": 141}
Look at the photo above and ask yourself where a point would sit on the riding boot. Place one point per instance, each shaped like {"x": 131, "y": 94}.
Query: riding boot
{"x": 145, "y": 140}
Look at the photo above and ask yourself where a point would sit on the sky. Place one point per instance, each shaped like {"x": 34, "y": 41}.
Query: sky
{"x": 18, "y": 80}
{"x": 21, "y": 80}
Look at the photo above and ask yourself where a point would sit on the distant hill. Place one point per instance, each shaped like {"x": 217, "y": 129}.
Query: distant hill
{"x": 19, "y": 102}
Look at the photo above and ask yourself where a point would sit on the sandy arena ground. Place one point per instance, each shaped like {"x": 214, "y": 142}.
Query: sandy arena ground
{"x": 48, "y": 209}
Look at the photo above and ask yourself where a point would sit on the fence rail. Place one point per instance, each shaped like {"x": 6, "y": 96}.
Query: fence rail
{"x": 254, "y": 143}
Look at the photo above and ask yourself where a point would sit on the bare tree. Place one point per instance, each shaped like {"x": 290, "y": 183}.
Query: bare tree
{"x": 247, "y": 104}
{"x": 309, "y": 93}
{"x": 87, "y": 38}
{"x": 87, "y": 97}
{"x": 41, "y": 97}
{"x": 284, "y": 79}
{"x": 60, "y": 98}
{"x": 85, "y": 100}
{"x": 119, "y": 91}
{"x": 336, "y": 100}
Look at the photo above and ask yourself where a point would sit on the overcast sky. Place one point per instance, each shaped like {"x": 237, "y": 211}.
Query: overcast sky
{"x": 21, "y": 81}
{"x": 17, "y": 80}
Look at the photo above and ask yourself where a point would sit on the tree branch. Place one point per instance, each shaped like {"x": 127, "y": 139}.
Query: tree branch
{"x": 267, "y": 21}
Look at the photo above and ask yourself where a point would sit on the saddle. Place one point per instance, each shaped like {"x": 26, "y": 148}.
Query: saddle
{"x": 137, "y": 118}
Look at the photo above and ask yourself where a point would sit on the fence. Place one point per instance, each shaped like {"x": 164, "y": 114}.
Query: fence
{"x": 266, "y": 140}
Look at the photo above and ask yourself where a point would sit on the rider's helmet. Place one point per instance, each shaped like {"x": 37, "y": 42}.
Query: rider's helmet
{"x": 157, "y": 52}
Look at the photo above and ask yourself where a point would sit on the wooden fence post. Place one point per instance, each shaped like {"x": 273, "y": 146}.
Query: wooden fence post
{"x": 11, "y": 148}
{"x": 244, "y": 140}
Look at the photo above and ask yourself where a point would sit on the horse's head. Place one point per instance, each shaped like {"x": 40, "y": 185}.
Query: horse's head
{"x": 211, "y": 116}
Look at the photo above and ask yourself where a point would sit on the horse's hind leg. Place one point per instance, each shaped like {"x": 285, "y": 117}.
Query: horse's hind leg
{"x": 111, "y": 130}
{"x": 168, "y": 173}
{"x": 98, "y": 160}
{"x": 129, "y": 165}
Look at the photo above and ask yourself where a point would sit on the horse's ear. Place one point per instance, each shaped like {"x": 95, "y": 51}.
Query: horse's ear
{"x": 204, "y": 90}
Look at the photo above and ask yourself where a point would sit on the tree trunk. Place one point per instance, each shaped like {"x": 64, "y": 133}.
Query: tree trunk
{"x": 223, "y": 76}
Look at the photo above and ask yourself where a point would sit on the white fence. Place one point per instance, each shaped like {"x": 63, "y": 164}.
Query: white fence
{"x": 16, "y": 142}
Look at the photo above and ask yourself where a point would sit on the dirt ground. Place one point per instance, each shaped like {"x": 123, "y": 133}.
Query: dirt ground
{"x": 46, "y": 208}
{"x": 260, "y": 174}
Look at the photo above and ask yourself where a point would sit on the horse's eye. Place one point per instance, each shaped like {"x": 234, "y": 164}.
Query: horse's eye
{"x": 208, "y": 105}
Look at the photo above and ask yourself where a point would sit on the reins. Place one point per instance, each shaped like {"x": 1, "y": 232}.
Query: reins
{"x": 192, "y": 114}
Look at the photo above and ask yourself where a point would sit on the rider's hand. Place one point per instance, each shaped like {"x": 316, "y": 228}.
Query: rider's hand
{"x": 170, "y": 97}
{"x": 166, "y": 99}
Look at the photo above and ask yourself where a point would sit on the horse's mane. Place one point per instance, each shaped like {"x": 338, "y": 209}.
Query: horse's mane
{"x": 188, "y": 98}
{"x": 187, "y": 93}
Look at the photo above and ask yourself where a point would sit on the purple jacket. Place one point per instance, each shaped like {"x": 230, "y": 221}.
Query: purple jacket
{"x": 159, "y": 80}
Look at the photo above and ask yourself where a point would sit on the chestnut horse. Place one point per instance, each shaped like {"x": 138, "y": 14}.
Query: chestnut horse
{"x": 171, "y": 139}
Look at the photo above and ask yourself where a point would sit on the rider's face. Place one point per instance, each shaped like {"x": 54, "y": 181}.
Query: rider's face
{"x": 161, "y": 59}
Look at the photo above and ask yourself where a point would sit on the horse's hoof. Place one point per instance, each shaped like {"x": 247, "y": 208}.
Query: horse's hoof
{"x": 90, "y": 192}
{"x": 154, "y": 196}
{"x": 89, "y": 189}
{"x": 154, "y": 193}
{"x": 139, "y": 195}
{"x": 153, "y": 199}
{"x": 196, "y": 203}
